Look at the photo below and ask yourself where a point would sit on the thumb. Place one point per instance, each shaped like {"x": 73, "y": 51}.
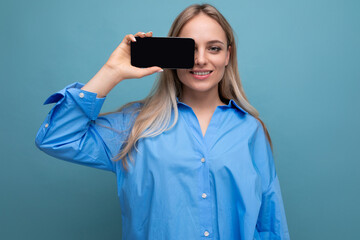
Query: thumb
{"x": 150, "y": 70}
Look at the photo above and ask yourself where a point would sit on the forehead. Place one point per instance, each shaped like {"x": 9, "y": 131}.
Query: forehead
{"x": 203, "y": 28}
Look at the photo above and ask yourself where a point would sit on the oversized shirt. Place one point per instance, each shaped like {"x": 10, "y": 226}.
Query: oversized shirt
{"x": 181, "y": 185}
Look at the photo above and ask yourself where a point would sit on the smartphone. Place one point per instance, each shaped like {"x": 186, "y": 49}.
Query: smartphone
{"x": 164, "y": 52}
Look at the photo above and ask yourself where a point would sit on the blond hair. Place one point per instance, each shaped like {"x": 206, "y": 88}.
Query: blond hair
{"x": 156, "y": 109}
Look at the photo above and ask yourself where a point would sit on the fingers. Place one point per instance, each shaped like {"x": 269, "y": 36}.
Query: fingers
{"x": 131, "y": 38}
{"x": 142, "y": 34}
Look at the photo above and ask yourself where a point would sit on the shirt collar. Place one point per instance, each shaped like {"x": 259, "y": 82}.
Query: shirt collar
{"x": 231, "y": 103}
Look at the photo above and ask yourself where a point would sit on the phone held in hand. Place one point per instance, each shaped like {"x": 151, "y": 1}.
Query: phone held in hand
{"x": 164, "y": 52}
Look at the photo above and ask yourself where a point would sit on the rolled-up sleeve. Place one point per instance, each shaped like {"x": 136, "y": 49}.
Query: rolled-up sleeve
{"x": 72, "y": 130}
{"x": 271, "y": 223}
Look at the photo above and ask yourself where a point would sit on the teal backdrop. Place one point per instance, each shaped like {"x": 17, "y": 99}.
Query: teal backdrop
{"x": 299, "y": 64}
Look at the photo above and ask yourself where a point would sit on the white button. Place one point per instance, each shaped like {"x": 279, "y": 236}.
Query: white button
{"x": 206, "y": 233}
{"x": 46, "y": 125}
{"x": 203, "y": 195}
{"x": 81, "y": 95}
{"x": 203, "y": 160}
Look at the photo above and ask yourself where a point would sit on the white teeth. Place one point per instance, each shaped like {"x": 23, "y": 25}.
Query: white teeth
{"x": 201, "y": 73}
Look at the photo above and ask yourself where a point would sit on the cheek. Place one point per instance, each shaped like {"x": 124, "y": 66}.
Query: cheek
{"x": 220, "y": 61}
{"x": 181, "y": 74}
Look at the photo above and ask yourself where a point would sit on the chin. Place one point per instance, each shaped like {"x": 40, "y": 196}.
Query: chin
{"x": 200, "y": 86}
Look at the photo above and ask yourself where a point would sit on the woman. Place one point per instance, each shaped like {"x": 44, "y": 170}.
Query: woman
{"x": 201, "y": 164}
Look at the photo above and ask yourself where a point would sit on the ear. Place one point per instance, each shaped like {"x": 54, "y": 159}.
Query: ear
{"x": 228, "y": 55}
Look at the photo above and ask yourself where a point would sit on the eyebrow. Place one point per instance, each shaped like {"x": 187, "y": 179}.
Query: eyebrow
{"x": 216, "y": 41}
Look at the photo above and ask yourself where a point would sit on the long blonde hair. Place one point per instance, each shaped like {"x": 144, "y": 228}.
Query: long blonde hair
{"x": 156, "y": 109}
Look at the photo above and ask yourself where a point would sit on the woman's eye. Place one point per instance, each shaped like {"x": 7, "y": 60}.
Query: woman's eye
{"x": 215, "y": 49}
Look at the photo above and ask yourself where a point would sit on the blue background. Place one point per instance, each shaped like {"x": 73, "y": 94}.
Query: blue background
{"x": 299, "y": 64}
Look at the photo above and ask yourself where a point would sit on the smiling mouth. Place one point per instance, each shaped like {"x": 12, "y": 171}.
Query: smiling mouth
{"x": 201, "y": 73}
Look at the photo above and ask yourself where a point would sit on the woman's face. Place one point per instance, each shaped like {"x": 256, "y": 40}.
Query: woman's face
{"x": 211, "y": 55}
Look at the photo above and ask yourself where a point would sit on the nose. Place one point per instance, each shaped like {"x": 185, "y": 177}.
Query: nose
{"x": 200, "y": 57}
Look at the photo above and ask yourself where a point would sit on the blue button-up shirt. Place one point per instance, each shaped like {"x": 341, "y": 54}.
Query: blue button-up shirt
{"x": 182, "y": 185}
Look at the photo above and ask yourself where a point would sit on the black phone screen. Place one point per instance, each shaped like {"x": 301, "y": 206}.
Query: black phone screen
{"x": 164, "y": 52}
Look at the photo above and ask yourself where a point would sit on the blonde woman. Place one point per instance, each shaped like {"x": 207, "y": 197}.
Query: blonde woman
{"x": 192, "y": 160}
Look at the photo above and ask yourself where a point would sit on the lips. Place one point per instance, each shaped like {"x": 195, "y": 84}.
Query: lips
{"x": 201, "y": 74}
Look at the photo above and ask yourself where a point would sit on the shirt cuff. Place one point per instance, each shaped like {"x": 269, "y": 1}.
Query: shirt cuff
{"x": 87, "y": 101}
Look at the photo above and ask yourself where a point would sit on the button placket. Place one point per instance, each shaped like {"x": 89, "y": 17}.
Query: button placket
{"x": 205, "y": 207}
{"x": 204, "y": 187}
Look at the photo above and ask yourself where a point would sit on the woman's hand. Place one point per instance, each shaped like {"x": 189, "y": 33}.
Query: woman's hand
{"x": 120, "y": 60}
{"x": 118, "y": 68}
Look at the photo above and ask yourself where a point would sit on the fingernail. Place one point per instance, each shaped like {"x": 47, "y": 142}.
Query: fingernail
{"x": 134, "y": 39}
{"x": 161, "y": 70}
